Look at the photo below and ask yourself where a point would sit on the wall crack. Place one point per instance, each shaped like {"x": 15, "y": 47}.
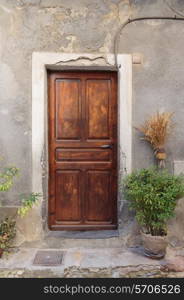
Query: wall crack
{"x": 84, "y": 58}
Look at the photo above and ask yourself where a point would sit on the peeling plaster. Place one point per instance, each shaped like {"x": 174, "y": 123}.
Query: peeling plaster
{"x": 72, "y": 40}
{"x": 5, "y": 9}
{"x": 124, "y": 10}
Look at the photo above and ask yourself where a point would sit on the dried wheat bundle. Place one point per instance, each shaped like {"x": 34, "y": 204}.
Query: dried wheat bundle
{"x": 156, "y": 130}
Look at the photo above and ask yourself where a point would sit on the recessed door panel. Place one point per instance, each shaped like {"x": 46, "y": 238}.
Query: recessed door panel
{"x": 83, "y": 155}
{"x": 68, "y": 109}
{"x": 98, "y": 93}
{"x": 67, "y": 189}
{"x": 98, "y": 204}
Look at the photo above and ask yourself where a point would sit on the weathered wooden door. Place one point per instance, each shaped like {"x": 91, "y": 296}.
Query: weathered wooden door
{"x": 82, "y": 150}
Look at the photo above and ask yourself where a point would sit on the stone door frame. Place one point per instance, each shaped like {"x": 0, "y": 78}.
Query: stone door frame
{"x": 41, "y": 62}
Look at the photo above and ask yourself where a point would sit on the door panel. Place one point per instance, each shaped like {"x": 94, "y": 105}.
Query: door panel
{"x": 68, "y": 109}
{"x": 98, "y": 108}
{"x": 98, "y": 204}
{"x": 82, "y": 155}
{"x": 82, "y": 150}
{"x": 67, "y": 189}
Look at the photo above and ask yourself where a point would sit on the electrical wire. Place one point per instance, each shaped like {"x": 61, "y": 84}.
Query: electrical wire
{"x": 117, "y": 36}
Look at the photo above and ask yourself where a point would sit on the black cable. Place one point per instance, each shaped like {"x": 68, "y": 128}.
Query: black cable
{"x": 117, "y": 36}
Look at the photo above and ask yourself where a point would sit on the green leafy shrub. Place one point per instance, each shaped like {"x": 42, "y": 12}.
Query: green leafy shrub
{"x": 7, "y": 232}
{"x": 153, "y": 195}
{"x": 8, "y": 225}
{"x": 6, "y": 178}
{"x": 27, "y": 203}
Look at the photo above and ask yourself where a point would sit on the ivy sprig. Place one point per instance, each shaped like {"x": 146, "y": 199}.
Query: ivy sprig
{"x": 27, "y": 203}
{"x": 6, "y": 178}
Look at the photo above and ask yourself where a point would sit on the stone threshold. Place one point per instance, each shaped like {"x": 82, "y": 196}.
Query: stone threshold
{"x": 54, "y": 240}
{"x": 101, "y": 234}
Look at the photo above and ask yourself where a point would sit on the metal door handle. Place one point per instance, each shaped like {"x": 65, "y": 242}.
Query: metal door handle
{"x": 106, "y": 146}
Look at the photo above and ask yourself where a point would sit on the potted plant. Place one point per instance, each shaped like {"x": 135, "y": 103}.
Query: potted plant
{"x": 152, "y": 194}
{"x": 7, "y": 234}
{"x": 156, "y": 131}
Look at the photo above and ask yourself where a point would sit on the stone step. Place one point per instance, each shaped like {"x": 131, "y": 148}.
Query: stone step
{"x": 63, "y": 243}
{"x": 89, "y": 263}
{"x": 78, "y": 263}
{"x": 86, "y": 239}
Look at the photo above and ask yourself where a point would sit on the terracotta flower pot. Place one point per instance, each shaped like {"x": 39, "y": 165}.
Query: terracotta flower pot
{"x": 1, "y": 252}
{"x": 154, "y": 246}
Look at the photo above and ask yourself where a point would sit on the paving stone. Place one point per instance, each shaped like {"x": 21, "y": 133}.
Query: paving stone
{"x": 175, "y": 264}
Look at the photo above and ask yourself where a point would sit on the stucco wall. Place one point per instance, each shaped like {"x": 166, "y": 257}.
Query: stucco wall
{"x": 89, "y": 26}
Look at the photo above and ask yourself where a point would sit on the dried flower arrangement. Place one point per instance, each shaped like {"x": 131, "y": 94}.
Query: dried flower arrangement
{"x": 156, "y": 131}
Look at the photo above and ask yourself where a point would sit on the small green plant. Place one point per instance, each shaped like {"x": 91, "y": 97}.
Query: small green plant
{"x": 7, "y": 233}
{"x": 27, "y": 203}
{"x": 8, "y": 225}
{"x": 6, "y": 178}
{"x": 153, "y": 195}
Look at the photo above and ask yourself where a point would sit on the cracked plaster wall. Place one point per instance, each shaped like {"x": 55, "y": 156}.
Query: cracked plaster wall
{"x": 88, "y": 26}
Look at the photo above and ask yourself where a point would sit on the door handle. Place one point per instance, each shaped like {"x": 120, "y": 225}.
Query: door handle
{"x": 106, "y": 146}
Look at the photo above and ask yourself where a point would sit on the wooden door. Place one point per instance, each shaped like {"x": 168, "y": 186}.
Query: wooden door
{"x": 82, "y": 150}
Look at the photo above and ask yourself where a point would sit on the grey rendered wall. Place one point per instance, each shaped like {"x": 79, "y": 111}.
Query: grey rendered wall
{"x": 158, "y": 81}
{"x": 27, "y": 26}
{"x": 89, "y": 26}
{"x": 158, "y": 85}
